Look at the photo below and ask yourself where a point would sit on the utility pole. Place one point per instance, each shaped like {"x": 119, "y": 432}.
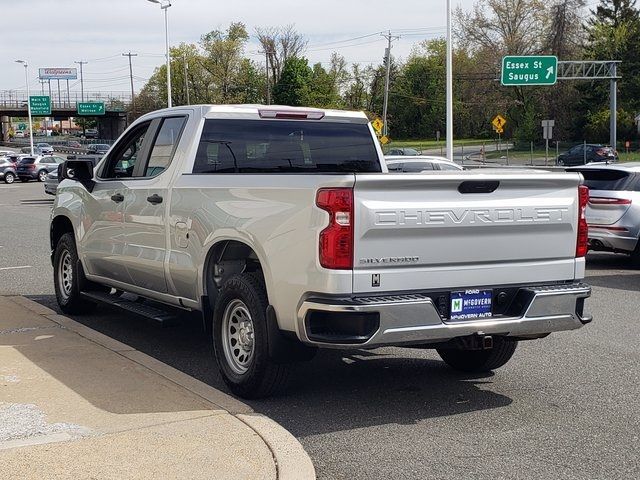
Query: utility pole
{"x": 613, "y": 100}
{"x": 186, "y": 78}
{"x": 133, "y": 101}
{"x": 266, "y": 58}
{"x": 84, "y": 124}
{"x": 81, "y": 79}
{"x": 390, "y": 38}
{"x": 449, "y": 69}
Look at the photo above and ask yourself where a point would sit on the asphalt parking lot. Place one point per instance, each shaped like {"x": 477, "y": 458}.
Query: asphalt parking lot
{"x": 565, "y": 407}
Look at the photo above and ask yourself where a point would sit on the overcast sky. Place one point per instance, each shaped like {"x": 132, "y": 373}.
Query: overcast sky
{"x": 55, "y": 33}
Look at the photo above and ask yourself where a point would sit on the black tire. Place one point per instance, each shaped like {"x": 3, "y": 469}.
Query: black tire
{"x": 477, "y": 361}
{"x": 261, "y": 376}
{"x": 9, "y": 178}
{"x": 42, "y": 175}
{"x": 69, "y": 285}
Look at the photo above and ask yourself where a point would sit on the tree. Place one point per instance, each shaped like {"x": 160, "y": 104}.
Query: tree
{"x": 280, "y": 44}
{"x": 223, "y": 52}
{"x": 321, "y": 90}
{"x": 503, "y": 26}
{"x": 356, "y": 95}
{"x": 293, "y": 86}
{"x": 613, "y": 34}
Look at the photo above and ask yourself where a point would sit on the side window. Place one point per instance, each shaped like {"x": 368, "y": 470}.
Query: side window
{"x": 416, "y": 167}
{"x": 127, "y": 153}
{"x": 446, "y": 166}
{"x": 165, "y": 145}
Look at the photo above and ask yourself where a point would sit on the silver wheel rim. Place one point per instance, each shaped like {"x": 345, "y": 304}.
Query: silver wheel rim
{"x": 9, "y": 178}
{"x": 65, "y": 275}
{"x": 238, "y": 337}
{"x": 43, "y": 176}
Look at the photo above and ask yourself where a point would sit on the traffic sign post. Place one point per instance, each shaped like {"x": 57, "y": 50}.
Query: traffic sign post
{"x": 498, "y": 123}
{"x": 529, "y": 70}
{"x": 547, "y": 134}
{"x": 40, "y": 105}
{"x": 91, "y": 108}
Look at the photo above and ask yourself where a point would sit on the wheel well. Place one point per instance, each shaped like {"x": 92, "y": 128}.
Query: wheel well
{"x": 59, "y": 226}
{"x": 223, "y": 260}
{"x": 226, "y": 259}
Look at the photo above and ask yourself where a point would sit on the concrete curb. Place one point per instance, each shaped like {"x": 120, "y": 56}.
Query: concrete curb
{"x": 292, "y": 461}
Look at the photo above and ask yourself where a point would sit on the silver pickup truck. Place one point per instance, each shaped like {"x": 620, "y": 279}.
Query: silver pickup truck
{"x": 284, "y": 228}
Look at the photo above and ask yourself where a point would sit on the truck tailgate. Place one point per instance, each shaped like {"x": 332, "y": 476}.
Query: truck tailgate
{"x": 464, "y": 229}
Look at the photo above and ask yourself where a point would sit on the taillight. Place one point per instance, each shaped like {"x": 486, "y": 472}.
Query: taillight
{"x": 582, "y": 241}
{"x": 609, "y": 201}
{"x": 336, "y": 241}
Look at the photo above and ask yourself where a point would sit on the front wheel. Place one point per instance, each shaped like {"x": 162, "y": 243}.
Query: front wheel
{"x": 9, "y": 178}
{"x": 69, "y": 277}
{"x": 42, "y": 175}
{"x": 240, "y": 339}
{"x": 477, "y": 361}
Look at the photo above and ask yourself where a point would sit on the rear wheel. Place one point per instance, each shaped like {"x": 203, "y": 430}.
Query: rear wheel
{"x": 240, "y": 339}
{"x": 42, "y": 175}
{"x": 9, "y": 177}
{"x": 477, "y": 361}
{"x": 69, "y": 277}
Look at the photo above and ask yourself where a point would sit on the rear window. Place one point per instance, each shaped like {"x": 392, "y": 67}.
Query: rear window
{"x": 27, "y": 161}
{"x": 609, "y": 180}
{"x": 285, "y": 146}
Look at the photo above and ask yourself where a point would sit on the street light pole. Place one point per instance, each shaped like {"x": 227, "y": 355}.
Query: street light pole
{"x": 449, "y": 85}
{"x": 26, "y": 79}
{"x": 164, "y": 5}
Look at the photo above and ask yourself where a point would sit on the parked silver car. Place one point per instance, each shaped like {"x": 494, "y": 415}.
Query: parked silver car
{"x": 44, "y": 148}
{"x": 613, "y": 212}
{"x": 51, "y": 183}
{"x": 419, "y": 163}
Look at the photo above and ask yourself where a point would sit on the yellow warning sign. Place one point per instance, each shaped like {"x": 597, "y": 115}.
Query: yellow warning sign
{"x": 377, "y": 125}
{"x": 384, "y": 140}
{"x": 498, "y": 122}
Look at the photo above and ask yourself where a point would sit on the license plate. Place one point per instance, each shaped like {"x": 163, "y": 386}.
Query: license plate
{"x": 470, "y": 304}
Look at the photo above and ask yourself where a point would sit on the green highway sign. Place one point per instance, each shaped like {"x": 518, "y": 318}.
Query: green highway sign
{"x": 90, "y": 108}
{"x": 529, "y": 70}
{"x": 40, "y": 105}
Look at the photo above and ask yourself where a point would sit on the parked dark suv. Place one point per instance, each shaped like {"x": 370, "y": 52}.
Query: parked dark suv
{"x": 594, "y": 153}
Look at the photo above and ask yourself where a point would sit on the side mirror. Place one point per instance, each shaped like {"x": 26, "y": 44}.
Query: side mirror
{"x": 79, "y": 170}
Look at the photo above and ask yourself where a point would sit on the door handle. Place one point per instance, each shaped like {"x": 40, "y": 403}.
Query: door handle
{"x": 154, "y": 199}
{"x": 118, "y": 197}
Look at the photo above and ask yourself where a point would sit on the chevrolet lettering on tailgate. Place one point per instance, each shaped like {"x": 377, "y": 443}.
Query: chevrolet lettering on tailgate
{"x": 471, "y": 216}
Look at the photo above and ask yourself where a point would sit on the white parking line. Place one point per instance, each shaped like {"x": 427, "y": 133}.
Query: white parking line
{"x": 16, "y": 268}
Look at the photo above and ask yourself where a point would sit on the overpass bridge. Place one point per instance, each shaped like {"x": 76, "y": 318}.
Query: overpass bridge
{"x": 13, "y": 103}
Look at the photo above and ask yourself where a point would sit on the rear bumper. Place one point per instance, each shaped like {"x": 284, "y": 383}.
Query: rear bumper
{"x": 50, "y": 188}
{"x": 610, "y": 240}
{"x": 414, "y": 318}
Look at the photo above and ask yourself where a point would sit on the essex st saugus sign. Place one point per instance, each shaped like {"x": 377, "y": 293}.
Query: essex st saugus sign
{"x": 529, "y": 70}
